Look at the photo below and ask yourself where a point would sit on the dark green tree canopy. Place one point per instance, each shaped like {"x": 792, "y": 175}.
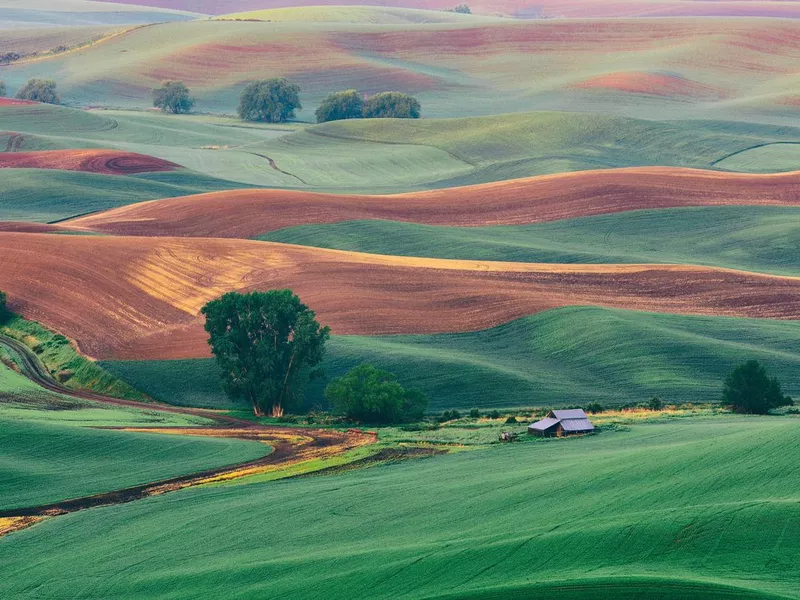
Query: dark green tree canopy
{"x": 40, "y": 90}
{"x": 341, "y": 105}
{"x": 392, "y": 105}
{"x": 749, "y": 390}
{"x": 271, "y": 100}
{"x": 268, "y": 346}
{"x": 2, "y": 88}
{"x": 369, "y": 395}
{"x": 4, "y": 312}
{"x": 174, "y": 97}
{"x": 461, "y": 8}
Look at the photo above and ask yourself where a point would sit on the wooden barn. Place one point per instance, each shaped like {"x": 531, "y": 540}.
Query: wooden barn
{"x": 560, "y": 423}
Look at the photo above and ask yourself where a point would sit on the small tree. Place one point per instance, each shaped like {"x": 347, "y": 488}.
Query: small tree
{"x": 268, "y": 346}
{"x": 40, "y": 90}
{"x": 341, "y": 105}
{"x": 369, "y": 395}
{"x": 4, "y": 312}
{"x": 392, "y": 105}
{"x": 461, "y": 8}
{"x": 173, "y": 96}
{"x": 271, "y": 100}
{"x": 2, "y": 88}
{"x": 749, "y": 390}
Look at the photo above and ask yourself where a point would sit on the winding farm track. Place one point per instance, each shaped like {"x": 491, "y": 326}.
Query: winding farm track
{"x": 248, "y": 213}
{"x": 289, "y": 444}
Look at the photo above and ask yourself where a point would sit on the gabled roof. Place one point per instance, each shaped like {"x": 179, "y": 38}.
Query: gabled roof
{"x": 577, "y": 425}
{"x": 573, "y": 413}
{"x": 545, "y": 423}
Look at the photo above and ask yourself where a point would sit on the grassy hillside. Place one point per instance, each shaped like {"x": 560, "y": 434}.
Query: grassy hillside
{"x": 564, "y": 356}
{"x": 381, "y": 15}
{"x": 700, "y": 509}
{"x": 654, "y": 68}
{"x": 388, "y": 155}
{"x": 82, "y": 13}
{"x": 47, "y": 196}
{"x": 749, "y": 238}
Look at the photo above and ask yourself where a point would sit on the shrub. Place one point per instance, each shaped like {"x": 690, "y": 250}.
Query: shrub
{"x": 341, "y": 105}
{"x": 474, "y": 413}
{"x": 511, "y": 420}
{"x": 655, "y": 403}
{"x": 595, "y": 408}
{"x": 369, "y": 395}
{"x": 392, "y": 105}
{"x": 270, "y": 100}
{"x": 495, "y": 414}
{"x": 4, "y": 312}
{"x": 2, "y": 88}
{"x": 461, "y": 8}
{"x": 749, "y": 390}
{"x": 9, "y": 57}
{"x": 173, "y": 96}
{"x": 40, "y": 90}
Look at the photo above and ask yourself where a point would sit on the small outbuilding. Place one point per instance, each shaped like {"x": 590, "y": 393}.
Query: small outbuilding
{"x": 559, "y": 423}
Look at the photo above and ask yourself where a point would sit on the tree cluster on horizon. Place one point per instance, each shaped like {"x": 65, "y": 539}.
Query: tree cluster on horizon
{"x": 349, "y": 104}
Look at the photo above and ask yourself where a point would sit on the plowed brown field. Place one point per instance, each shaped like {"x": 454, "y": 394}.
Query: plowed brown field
{"x": 128, "y": 297}
{"x": 248, "y": 213}
{"x": 106, "y": 162}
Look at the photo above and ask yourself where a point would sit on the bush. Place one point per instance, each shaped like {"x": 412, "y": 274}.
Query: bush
{"x": 595, "y": 408}
{"x": 474, "y": 413}
{"x": 270, "y": 100}
{"x": 9, "y": 57}
{"x": 461, "y": 8}
{"x": 40, "y": 90}
{"x": 749, "y": 390}
{"x": 173, "y": 96}
{"x": 369, "y": 395}
{"x": 341, "y": 105}
{"x": 655, "y": 403}
{"x": 511, "y": 421}
{"x": 2, "y": 89}
{"x": 392, "y": 105}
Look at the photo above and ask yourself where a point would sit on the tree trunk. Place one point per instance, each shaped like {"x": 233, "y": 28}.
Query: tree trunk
{"x": 277, "y": 410}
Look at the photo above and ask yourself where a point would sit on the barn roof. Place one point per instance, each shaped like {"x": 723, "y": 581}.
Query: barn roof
{"x": 577, "y": 425}
{"x": 545, "y": 423}
{"x": 573, "y": 413}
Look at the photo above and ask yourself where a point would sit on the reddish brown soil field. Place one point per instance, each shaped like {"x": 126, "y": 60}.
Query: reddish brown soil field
{"x": 106, "y": 162}
{"x": 14, "y": 102}
{"x": 139, "y": 298}
{"x": 248, "y": 213}
{"x": 651, "y": 84}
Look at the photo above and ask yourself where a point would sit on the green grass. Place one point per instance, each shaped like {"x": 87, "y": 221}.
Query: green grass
{"x": 753, "y": 238}
{"x": 42, "y": 195}
{"x": 383, "y": 15}
{"x": 567, "y": 356}
{"x": 776, "y": 157}
{"x": 703, "y": 510}
{"x": 43, "y": 462}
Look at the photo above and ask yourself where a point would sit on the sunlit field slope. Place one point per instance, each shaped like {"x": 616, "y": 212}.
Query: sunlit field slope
{"x": 249, "y": 213}
{"x": 49, "y": 13}
{"x": 650, "y": 68}
{"x": 563, "y": 356}
{"x": 664, "y": 511}
{"x": 133, "y": 297}
{"x": 751, "y": 238}
{"x": 378, "y": 15}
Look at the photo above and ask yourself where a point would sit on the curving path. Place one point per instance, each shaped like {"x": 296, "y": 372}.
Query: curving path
{"x": 290, "y": 444}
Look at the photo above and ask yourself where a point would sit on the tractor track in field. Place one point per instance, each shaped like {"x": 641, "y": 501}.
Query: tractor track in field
{"x": 289, "y": 445}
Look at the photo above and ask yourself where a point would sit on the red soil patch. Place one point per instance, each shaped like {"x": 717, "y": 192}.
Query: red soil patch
{"x": 106, "y": 162}
{"x": 139, "y": 298}
{"x": 248, "y": 213}
{"x": 14, "y": 102}
{"x": 652, "y": 84}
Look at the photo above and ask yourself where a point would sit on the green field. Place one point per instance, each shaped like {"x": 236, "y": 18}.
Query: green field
{"x": 560, "y": 357}
{"x": 700, "y": 509}
{"x": 742, "y": 237}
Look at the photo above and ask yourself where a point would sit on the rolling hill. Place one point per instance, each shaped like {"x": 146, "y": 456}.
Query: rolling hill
{"x": 666, "y": 68}
{"x": 665, "y": 511}
{"x": 80, "y": 13}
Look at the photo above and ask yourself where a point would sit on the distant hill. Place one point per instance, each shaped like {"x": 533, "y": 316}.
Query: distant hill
{"x": 15, "y": 14}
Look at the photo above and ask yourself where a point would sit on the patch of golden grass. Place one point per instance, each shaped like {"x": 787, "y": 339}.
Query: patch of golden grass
{"x": 10, "y": 524}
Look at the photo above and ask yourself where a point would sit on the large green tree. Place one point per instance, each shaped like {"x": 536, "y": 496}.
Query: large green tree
{"x": 341, "y": 105}
{"x": 268, "y": 346}
{"x": 748, "y": 389}
{"x": 174, "y": 97}
{"x": 392, "y": 105}
{"x": 271, "y": 100}
{"x": 4, "y": 312}
{"x": 40, "y": 90}
{"x": 369, "y": 395}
